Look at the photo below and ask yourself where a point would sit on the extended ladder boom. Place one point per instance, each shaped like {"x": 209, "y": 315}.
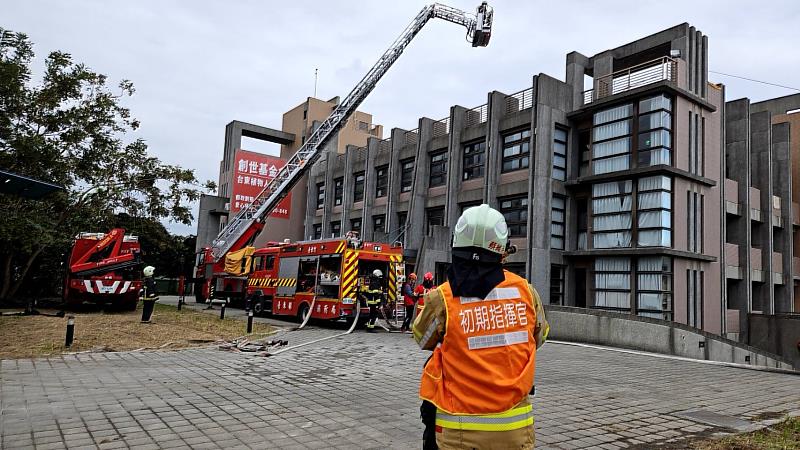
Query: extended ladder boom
{"x": 478, "y": 33}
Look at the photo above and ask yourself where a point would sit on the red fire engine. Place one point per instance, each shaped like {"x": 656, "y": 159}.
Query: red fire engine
{"x": 286, "y": 278}
{"x": 104, "y": 268}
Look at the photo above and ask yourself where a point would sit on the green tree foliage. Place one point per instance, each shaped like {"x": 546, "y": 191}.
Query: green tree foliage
{"x": 69, "y": 128}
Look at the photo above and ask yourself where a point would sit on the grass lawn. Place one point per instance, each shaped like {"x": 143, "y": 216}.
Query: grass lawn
{"x": 35, "y": 336}
{"x": 783, "y": 436}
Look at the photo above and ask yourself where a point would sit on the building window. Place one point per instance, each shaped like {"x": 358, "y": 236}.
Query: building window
{"x": 695, "y": 281}
{"x": 612, "y": 283}
{"x": 611, "y": 139}
{"x": 557, "y": 213}
{"x": 515, "y": 210}
{"x": 654, "y": 287}
{"x": 317, "y": 231}
{"x": 435, "y": 216}
{"x": 611, "y": 214}
{"x": 474, "y": 160}
{"x": 695, "y": 202}
{"x": 358, "y": 187}
{"x": 401, "y": 220}
{"x": 516, "y": 151}
{"x": 338, "y": 191}
{"x": 305, "y": 114}
{"x": 320, "y": 195}
{"x": 381, "y": 181}
{"x": 654, "y": 212}
{"x": 355, "y": 225}
{"x": 697, "y": 126}
{"x": 379, "y": 223}
{"x": 336, "y": 228}
{"x": 560, "y": 154}
{"x": 556, "y": 285}
{"x": 438, "y": 173}
{"x": 406, "y": 174}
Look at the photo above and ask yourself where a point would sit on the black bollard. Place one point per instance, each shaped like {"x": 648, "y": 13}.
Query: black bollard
{"x": 70, "y": 331}
{"x": 249, "y": 322}
{"x": 222, "y": 311}
{"x": 180, "y": 302}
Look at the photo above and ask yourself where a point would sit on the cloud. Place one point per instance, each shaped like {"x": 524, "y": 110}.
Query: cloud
{"x": 197, "y": 65}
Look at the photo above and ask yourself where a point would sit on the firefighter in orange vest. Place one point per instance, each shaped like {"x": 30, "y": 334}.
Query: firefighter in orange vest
{"x": 489, "y": 323}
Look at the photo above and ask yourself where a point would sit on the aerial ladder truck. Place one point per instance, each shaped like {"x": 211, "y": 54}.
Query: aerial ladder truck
{"x": 243, "y": 228}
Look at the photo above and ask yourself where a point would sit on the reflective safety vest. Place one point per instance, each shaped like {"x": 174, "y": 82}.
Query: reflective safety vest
{"x": 485, "y": 365}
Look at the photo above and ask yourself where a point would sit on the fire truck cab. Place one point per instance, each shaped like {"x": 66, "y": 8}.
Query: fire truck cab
{"x": 286, "y": 277}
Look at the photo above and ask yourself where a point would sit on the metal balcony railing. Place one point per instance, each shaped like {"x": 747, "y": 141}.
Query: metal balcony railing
{"x": 441, "y": 127}
{"x": 477, "y": 115}
{"x": 410, "y": 137}
{"x": 519, "y": 101}
{"x": 385, "y": 145}
{"x": 660, "y": 69}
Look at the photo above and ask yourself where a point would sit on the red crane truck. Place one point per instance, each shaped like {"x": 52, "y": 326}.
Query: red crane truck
{"x": 104, "y": 268}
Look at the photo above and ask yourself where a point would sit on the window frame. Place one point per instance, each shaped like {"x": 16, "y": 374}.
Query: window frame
{"x": 439, "y": 210}
{"x": 561, "y": 169}
{"x": 406, "y": 175}
{"x": 437, "y": 168}
{"x": 519, "y": 223}
{"x": 381, "y": 218}
{"x": 468, "y": 171}
{"x": 382, "y": 181}
{"x": 359, "y": 179}
{"x": 523, "y": 141}
{"x": 320, "y": 195}
{"x": 334, "y": 225}
{"x": 338, "y": 191}
{"x": 353, "y": 222}
{"x": 563, "y": 211}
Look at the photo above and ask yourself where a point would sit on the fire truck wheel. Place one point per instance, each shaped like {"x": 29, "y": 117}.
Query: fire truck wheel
{"x": 301, "y": 313}
{"x": 257, "y": 303}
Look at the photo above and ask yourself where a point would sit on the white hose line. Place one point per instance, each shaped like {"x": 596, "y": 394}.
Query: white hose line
{"x": 308, "y": 316}
{"x": 352, "y": 327}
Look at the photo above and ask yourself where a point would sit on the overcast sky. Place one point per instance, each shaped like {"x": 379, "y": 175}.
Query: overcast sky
{"x": 197, "y": 65}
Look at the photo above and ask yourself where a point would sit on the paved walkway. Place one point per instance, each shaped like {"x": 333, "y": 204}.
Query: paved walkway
{"x": 360, "y": 391}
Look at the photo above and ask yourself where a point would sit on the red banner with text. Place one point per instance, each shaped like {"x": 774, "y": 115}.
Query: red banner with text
{"x": 251, "y": 173}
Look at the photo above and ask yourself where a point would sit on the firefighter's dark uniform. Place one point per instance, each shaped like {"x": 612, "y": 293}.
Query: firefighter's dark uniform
{"x": 373, "y": 294}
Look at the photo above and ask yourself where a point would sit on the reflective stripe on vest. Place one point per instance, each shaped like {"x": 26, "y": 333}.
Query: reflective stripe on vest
{"x": 510, "y": 420}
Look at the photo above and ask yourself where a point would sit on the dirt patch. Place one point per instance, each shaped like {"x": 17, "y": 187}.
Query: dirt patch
{"x": 784, "y": 435}
{"x": 35, "y": 336}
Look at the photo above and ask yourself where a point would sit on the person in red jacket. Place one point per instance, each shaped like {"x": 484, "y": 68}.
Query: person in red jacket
{"x": 408, "y": 301}
{"x": 422, "y": 289}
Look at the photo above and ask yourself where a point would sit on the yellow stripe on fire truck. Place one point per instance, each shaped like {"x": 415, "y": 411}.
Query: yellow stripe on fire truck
{"x": 272, "y": 282}
{"x": 340, "y": 248}
{"x": 349, "y": 274}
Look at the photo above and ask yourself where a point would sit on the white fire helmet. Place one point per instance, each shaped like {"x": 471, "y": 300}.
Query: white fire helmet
{"x": 148, "y": 271}
{"x": 482, "y": 227}
{"x": 377, "y": 273}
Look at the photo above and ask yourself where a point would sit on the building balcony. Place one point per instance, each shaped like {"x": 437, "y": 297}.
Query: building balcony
{"x": 732, "y": 204}
{"x": 777, "y": 268}
{"x": 795, "y": 214}
{"x": 777, "y": 220}
{"x": 796, "y": 268}
{"x": 756, "y": 265}
{"x": 755, "y": 204}
{"x": 732, "y": 265}
{"x": 660, "y": 69}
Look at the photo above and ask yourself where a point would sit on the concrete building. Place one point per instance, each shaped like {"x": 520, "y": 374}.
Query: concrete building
{"x": 588, "y": 181}
{"x": 762, "y": 244}
{"x": 630, "y": 186}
